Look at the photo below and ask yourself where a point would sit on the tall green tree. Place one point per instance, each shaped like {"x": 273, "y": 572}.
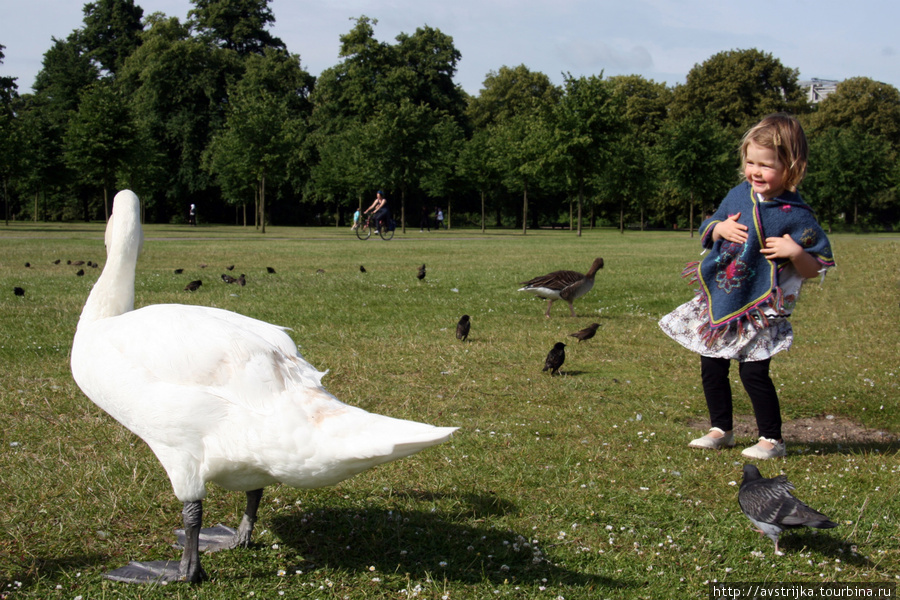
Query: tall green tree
{"x": 8, "y": 145}
{"x": 862, "y": 104}
{"x": 736, "y": 88}
{"x": 238, "y": 25}
{"x": 111, "y": 32}
{"x": 99, "y": 139}
{"x": 587, "y": 126}
{"x": 699, "y": 158}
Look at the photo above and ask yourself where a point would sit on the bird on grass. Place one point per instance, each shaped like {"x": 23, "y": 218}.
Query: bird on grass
{"x": 27, "y": 265}
{"x": 462, "y": 328}
{"x": 228, "y": 278}
{"x": 79, "y": 272}
{"x": 562, "y": 285}
{"x": 75, "y": 263}
{"x": 193, "y": 286}
{"x": 421, "y": 273}
{"x": 18, "y": 291}
{"x": 229, "y": 268}
{"x": 769, "y": 505}
{"x": 270, "y": 270}
{"x": 586, "y": 333}
{"x": 218, "y": 397}
{"x": 56, "y": 262}
{"x": 362, "y": 269}
{"x": 179, "y": 271}
{"x": 555, "y": 358}
{"x": 242, "y": 281}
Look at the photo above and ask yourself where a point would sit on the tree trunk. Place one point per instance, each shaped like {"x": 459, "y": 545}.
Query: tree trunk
{"x": 571, "y": 216}
{"x": 482, "y": 211}
{"x": 621, "y": 216}
{"x": 6, "y": 200}
{"x": 525, "y": 209}
{"x": 449, "y": 205}
{"x": 642, "y": 218}
{"x": 691, "y": 223}
{"x": 580, "y": 202}
{"x": 105, "y": 204}
{"x": 403, "y": 209}
{"x": 35, "y": 203}
{"x": 262, "y": 202}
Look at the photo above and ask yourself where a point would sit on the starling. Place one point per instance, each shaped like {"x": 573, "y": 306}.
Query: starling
{"x": 18, "y": 291}
{"x": 179, "y": 271}
{"x": 90, "y": 263}
{"x": 202, "y": 265}
{"x": 562, "y": 285}
{"x": 362, "y": 269}
{"x": 769, "y": 505}
{"x": 27, "y": 265}
{"x": 555, "y": 358}
{"x": 231, "y": 268}
{"x": 193, "y": 286}
{"x": 228, "y": 278}
{"x": 241, "y": 281}
{"x": 421, "y": 274}
{"x": 586, "y": 333}
{"x": 80, "y": 272}
{"x": 462, "y": 328}
{"x": 56, "y": 262}
{"x": 270, "y": 270}
{"x": 319, "y": 271}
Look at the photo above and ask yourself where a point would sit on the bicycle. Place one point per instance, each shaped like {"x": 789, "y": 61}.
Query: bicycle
{"x": 366, "y": 227}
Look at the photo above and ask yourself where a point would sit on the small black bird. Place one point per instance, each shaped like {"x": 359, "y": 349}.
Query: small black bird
{"x": 362, "y": 269}
{"x": 80, "y": 272}
{"x": 241, "y": 281}
{"x": 179, "y": 271}
{"x": 555, "y": 358}
{"x": 270, "y": 269}
{"x": 231, "y": 268}
{"x": 56, "y": 262}
{"x": 586, "y": 333}
{"x": 421, "y": 274}
{"x": 18, "y": 291}
{"x": 94, "y": 266}
{"x": 228, "y": 278}
{"x": 769, "y": 505}
{"x": 462, "y": 328}
{"x": 193, "y": 286}
{"x": 90, "y": 263}
{"x": 27, "y": 265}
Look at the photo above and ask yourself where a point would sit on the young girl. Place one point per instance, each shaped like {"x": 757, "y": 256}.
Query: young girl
{"x": 764, "y": 242}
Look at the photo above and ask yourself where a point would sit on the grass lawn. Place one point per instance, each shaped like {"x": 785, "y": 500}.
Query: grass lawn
{"x": 579, "y": 486}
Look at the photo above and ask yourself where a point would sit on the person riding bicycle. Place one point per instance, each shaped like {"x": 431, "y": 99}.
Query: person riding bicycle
{"x": 380, "y": 211}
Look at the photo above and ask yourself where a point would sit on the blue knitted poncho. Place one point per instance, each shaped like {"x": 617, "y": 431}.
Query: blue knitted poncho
{"x": 736, "y": 281}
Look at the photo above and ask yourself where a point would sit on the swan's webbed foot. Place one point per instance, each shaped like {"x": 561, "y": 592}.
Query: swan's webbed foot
{"x": 222, "y": 537}
{"x": 157, "y": 571}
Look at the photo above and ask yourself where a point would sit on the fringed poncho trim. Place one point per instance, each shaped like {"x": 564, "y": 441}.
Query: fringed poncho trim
{"x": 736, "y": 281}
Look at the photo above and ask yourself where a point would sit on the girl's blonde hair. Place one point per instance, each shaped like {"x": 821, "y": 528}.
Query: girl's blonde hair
{"x": 783, "y": 134}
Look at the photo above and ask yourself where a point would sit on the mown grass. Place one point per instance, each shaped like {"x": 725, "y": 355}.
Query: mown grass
{"x": 579, "y": 486}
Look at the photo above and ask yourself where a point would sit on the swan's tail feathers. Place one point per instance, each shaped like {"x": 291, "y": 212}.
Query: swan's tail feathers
{"x": 417, "y": 443}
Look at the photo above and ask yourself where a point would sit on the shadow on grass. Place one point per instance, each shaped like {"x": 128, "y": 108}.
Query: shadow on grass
{"x": 845, "y": 448}
{"x": 428, "y": 545}
{"x": 829, "y": 543}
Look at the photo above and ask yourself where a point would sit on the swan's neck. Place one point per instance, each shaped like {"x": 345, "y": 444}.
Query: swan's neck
{"x": 113, "y": 294}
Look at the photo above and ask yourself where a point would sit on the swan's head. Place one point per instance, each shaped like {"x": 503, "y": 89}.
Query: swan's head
{"x": 125, "y": 222}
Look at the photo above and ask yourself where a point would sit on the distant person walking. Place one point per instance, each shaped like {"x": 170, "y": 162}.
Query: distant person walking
{"x": 192, "y": 215}
{"x": 439, "y": 218}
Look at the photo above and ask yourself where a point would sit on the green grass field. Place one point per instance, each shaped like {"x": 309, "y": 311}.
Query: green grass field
{"x": 577, "y": 487}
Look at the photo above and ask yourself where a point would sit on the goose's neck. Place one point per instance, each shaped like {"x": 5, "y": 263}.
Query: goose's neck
{"x": 113, "y": 294}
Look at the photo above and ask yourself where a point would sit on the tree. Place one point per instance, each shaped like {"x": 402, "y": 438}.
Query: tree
{"x": 238, "y": 25}
{"x": 862, "y": 104}
{"x": 8, "y": 146}
{"x": 736, "y": 88}
{"x": 99, "y": 139}
{"x": 111, "y": 32}
{"x": 850, "y": 167}
{"x": 698, "y": 157}
{"x": 587, "y": 125}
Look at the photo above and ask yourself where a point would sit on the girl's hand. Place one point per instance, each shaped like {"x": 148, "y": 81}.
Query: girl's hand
{"x": 785, "y": 247}
{"x": 730, "y": 230}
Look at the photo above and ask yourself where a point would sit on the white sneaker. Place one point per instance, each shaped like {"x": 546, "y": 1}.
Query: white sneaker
{"x": 711, "y": 442}
{"x": 761, "y": 450}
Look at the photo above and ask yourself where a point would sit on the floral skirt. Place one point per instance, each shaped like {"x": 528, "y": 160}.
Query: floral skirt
{"x": 747, "y": 344}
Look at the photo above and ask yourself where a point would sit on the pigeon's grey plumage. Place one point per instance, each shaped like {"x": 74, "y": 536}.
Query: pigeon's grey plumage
{"x": 769, "y": 505}
{"x": 555, "y": 358}
{"x": 462, "y": 328}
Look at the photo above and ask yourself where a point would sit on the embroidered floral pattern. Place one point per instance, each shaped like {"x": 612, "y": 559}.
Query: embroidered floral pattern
{"x": 808, "y": 237}
{"x": 731, "y": 270}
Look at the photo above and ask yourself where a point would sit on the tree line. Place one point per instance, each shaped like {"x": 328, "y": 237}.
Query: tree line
{"x": 215, "y": 111}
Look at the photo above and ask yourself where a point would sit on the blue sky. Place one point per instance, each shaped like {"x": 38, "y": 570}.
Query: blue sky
{"x": 658, "y": 39}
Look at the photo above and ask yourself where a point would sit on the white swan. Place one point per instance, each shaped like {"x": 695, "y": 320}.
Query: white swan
{"x": 218, "y": 397}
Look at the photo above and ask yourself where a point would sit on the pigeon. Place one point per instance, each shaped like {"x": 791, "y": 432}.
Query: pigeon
{"x": 18, "y": 291}
{"x": 362, "y": 269}
{"x": 228, "y": 278}
{"x": 193, "y": 286}
{"x": 179, "y": 271}
{"x": 421, "y": 274}
{"x": 562, "y": 285}
{"x": 769, "y": 505}
{"x": 462, "y": 328}
{"x": 270, "y": 270}
{"x": 555, "y": 358}
{"x": 80, "y": 272}
{"x": 586, "y": 333}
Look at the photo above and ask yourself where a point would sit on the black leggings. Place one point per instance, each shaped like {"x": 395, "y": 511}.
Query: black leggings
{"x": 755, "y": 378}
